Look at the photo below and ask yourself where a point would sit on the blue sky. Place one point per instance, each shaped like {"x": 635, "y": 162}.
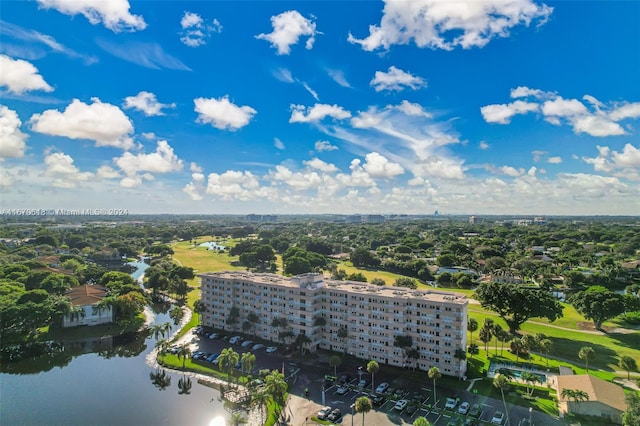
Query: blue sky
{"x": 479, "y": 107}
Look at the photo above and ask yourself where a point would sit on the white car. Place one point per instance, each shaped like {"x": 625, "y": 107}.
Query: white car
{"x": 342, "y": 390}
{"x": 450, "y": 404}
{"x": 401, "y": 404}
{"x": 235, "y": 339}
{"x": 257, "y": 346}
{"x": 463, "y": 408}
{"x": 382, "y": 387}
{"x": 247, "y": 343}
{"x": 324, "y": 412}
{"x": 497, "y": 418}
{"x": 271, "y": 349}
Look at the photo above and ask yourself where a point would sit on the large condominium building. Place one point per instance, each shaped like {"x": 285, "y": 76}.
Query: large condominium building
{"x": 360, "y": 319}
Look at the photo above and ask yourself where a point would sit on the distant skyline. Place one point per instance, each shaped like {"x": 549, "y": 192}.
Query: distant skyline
{"x": 497, "y": 107}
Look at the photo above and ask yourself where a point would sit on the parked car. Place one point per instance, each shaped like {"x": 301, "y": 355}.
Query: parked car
{"x": 362, "y": 383}
{"x": 213, "y": 336}
{"x": 412, "y": 407}
{"x": 247, "y": 343}
{"x": 342, "y": 390}
{"x": 476, "y": 410}
{"x": 463, "y": 408}
{"x": 470, "y": 421}
{"x": 382, "y": 387}
{"x": 212, "y": 358}
{"x": 399, "y": 392}
{"x": 450, "y": 404}
{"x": 271, "y": 349}
{"x": 377, "y": 399}
{"x": 497, "y": 418}
{"x": 324, "y": 412}
{"x": 335, "y": 415}
{"x": 235, "y": 340}
{"x": 345, "y": 378}
{"x": 400, "y": 405}
{"x": 257, "y": 346}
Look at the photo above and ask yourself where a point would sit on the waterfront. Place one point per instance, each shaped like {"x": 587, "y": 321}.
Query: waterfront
{"x": 108, "y": 387}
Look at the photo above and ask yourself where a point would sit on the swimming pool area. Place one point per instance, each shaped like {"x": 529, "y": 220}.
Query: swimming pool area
{"x": 516, "y": 371}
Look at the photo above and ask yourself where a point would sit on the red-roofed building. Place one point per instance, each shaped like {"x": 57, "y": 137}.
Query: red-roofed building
{"x": 84, "y": 300}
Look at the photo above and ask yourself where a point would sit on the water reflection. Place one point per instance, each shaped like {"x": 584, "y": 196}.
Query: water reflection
{"x": 184, "y": 385}
{"x": 160, "y": 379}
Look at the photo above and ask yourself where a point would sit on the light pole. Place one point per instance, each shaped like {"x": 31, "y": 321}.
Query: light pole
{"x": 530, "y": 411}
{"x": 353, "y": 414}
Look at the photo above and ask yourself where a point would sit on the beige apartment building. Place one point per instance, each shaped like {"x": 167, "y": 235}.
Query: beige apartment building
{"x": 359, "y": 319}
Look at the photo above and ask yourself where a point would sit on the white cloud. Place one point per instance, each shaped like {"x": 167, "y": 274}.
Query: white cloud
{"x": 284, "y": 75}
{"x": 502, "y": 113}
{"x": 163, "y": 160}
{"x": 222, "y": 113}
{"x": 288, "y": 27}
{"x": 339, "y": 77}
{"x": 62, "y": 171}
{"x": 103, "y": 123}
{"x": 278, "y": 143}
{"x": 195, "y": 31}
{"x": 621, "y": 112}
{"x": 379, "y": 167}
{"x": 20, "y": 76}
{"x": 234, "y": 184}
{"x": 310, "y": 90}
{"x": 483, "y": 145}
{"x": 396, "y": 79}
{"x": 12, "y": 140}
{"x": 554, "y": 160}
{"x": 317, "y": 113}
{"x": 597, "y": 126}
{"x": 147, "y": 103}
{"x": 538, "y": 154}
{"x": 608, "y": 160}
{"x": 525, "y": 92}
{"x": 318, "y": 164}
{"x": 414, "y": 109}
{"x": 563, "y": 107}
{"x": 114, "y": 14}
{"x": 146, "y": 54}
{"x": 196, "y": 188}
{"x": 445, "y": 25}
{"x": 195, "y": 168}
{"x": 322, "y": 146}
{"x": 107, "y": 172}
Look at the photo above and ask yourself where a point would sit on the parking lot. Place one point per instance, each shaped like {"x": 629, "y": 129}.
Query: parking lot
{"x": 342, "y": 394}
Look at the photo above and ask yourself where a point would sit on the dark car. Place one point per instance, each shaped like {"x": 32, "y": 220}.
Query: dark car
{"x": 335, "y": 415}
{"x": 345, "y": 378}
{"x": 411, "y": 408}
{"x": 476, "y": 411}
{"x": 377, "y": 399}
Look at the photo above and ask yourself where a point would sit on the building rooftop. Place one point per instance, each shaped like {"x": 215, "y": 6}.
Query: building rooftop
{"x": 598, "y": 390}
{"x": 318, "y": 281}
{"x": 86, "y": 295}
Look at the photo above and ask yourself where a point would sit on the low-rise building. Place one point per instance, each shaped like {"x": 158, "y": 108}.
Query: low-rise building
{"x": 605, "y": 399}
{"x": 85, "y": 300}
{"x": 356, "y": 318}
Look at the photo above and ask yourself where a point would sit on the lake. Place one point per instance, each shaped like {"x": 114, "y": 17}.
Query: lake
{"x": 108, "y": 387}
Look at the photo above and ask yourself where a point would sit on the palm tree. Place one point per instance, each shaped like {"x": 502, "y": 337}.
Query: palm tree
{"x": 363, "y": 405}
{"x": 586, "y": 353}
{"x": 342, "y": 334}
{"x": 237, "y": 419}
{"x": 166, "y": 328}
{"x": 227, "y": 359}
{"x": 421, "y": 421}
{"x": 546, "y": 345}
{"x": 434, "y": 374}
{"x": 275, "y": 386}
{"x": 577, "y": 395}
{"x": 183, "y": 353}
{"x": 157, "y": 330}
{"x": 373, "y": 367}
{"x": 162, "y": 345}
{"x": 530, "y": 380}
{"x": 516, "y": 347}
{"x": 501, "y": 382}
{"x": 199, "y": 307}
{"x": 184, "y": 385}
{"x": 254, "y": 320}
{"x": 260, "y": 399}
{"x": 628, "y": 364}
{"x": 503, "y": 336}
{"x": 247, "y": 361}
{"x": 472, "y": 325}
{"x": 485, "y": 337}
{"x": 334, "y": 362}
{"x": 497, "y": 331}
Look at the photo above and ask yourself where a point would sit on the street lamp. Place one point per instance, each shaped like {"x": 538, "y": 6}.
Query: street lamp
{"x": 530, "y": 411}
{"x": 353, "y": 414}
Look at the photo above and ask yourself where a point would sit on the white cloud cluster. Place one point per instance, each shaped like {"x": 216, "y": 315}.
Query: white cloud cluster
{"x": 396, "y": 79}
{"x": 222, "y": 113}
{"x": 61, "y": 169}
{"x": 288, "y": 27}
{"x": 322, "y": 146}
{"x": 147, "y": 103}
{"x": 233, "y": 184}
{"x": 114, "y": 14}
{"x": 623, "y": 164}
{"x": 379, "y": 167}
{"x": 196, "y": 188}
{"x": 441, "y": 24}
{"x": 591, "y": 117}
{"x": 139, "y": 166}
{"x": 20, "y": 76}
{"x": 12, "y": 140}
{"x": 103, "y": 123}
{"x": 317, "y": 113}
{"x": 284, "y": 75}
{"x": 195, "y": 31}
{"x": 146, "y": 54}
{"x": 339, "y": 77}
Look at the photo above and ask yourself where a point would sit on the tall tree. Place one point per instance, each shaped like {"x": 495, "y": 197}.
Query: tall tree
{"x": 586, "y": 354}
{"x": 501, "y": 382}
{"x": 631, "y": 417}
{"x": 227, "y": 359}
{"x": 434, "y": 374}
{"x": 472, "y": 325}
{"x": 335, "y": 361}
{"x": 373, "y": 367}
{"x": 485, "y": 337}
{"x": 276, "y": 387}
{"x": 199, "y": 307}
{"x": 247, "y": 362}
{"x": 599, "y": 304}
{"x": 183, "y": 353}
{"x": 515, "y": 305}
{"x": 628, "y": 364}
{"x": 546, "y": 345}
{"x": 577, "y": 395}
{"x": 363, "y": 405}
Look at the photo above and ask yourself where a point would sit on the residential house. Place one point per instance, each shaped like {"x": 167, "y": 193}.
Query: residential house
{"x": 84, "y": 300}
{"x": 606, "y": 400}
